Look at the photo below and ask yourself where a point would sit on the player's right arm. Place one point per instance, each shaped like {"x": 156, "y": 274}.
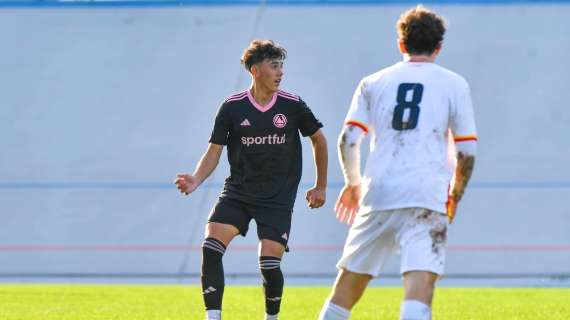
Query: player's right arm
{"x": 356, "y": 126}
{"x": 187, "y": 183}
{"x": 348, "y": 200}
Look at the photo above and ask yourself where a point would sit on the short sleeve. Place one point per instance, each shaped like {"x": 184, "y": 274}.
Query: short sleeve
{"x": 307, "y": 122}
{"x": 222, "y": 125}
{"x": 462, "y": 120}
{"x": 358, "y": 113}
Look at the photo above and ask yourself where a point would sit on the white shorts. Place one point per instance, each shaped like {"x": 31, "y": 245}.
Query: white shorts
{"x": 419, "y": 234}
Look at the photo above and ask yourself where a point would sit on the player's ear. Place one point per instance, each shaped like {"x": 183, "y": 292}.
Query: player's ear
{"x": 253, "y": 70}
{"x": 402, "y": 46}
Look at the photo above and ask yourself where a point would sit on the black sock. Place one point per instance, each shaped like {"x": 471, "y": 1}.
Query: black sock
{"x": 272, "y": 283}
{"x": 212, "y": 273}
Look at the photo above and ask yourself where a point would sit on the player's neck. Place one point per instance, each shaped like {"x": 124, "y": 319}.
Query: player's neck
{"x": 261, "y": 94}
{"x": 419, "y": 58}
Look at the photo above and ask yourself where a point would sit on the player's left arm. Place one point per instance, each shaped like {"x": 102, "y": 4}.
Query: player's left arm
{"x": 316, "y": 196}
{"x": 466, "y": 151}
{"x": 465, "y": 135}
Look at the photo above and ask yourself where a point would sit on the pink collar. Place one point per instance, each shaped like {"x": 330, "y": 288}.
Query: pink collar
{"x": 258, "y": 106}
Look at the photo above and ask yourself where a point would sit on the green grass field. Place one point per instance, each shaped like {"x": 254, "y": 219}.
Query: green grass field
{"x": 108, "y": 302}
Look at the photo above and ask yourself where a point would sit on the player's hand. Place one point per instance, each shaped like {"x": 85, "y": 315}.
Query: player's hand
{"x": 316, "y": 197}
{"x": 347, "y": 204}
{"x": 451, "y": 209}
{"x": 186, "y": 183}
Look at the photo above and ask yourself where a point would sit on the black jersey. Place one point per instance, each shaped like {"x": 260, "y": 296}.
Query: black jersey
{"x": 264, "y": 147}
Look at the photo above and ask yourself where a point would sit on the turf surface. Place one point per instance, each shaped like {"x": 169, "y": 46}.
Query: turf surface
{"x": 132, "y": 302}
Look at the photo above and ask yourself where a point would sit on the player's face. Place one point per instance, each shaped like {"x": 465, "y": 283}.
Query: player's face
{"x": 269, "y": 74}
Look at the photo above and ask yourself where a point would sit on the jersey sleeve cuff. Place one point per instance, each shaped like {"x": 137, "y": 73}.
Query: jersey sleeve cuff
{"x": 214, "y": 141}
{"x": 312, "y": 131}
{"x": 465, "y": 138}
{"x": 357, "y": 124}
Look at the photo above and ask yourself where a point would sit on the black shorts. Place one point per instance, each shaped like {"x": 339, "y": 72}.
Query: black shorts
{"x": 272, "y": 224}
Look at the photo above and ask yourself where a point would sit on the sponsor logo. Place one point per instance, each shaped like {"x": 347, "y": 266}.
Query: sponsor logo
{"x": 269, "y": 139}
{"x": 274, "y": 299}
{"x": 279, "y": 120}
{"x": 245, "y": 123}
{"x": 284, "y": 236}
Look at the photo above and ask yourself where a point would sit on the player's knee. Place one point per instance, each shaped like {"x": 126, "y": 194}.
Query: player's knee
{"x": 270, "y": 248}
{"x": 220, "y": 231}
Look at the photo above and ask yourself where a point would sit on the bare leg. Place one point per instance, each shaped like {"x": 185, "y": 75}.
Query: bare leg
{"x": 347, "y": 290}
{"x": 222, "y": 232}
{"x": 419, "y": 285}
{"x": 418, "y": 295}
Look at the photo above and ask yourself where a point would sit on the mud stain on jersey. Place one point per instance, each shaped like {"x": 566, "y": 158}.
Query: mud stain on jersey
{"x": 343, "y": 139}
{"x": 437, "y": 134}
{"x": 342, "y": 144}
{"x": 399, "y": 145}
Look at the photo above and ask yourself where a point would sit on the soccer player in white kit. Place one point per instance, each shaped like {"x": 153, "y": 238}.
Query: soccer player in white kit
{"x": 422, "y": 151}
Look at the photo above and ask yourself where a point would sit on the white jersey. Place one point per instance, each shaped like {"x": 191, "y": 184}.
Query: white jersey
{"x": 411, "y": 110}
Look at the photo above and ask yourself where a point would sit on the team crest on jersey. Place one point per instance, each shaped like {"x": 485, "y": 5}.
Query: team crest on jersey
{"x": 280, "y": 120}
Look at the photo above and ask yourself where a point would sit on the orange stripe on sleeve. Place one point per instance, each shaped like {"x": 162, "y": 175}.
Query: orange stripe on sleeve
{"x": 357, "y": 124}
{"x": 465, "y": 138}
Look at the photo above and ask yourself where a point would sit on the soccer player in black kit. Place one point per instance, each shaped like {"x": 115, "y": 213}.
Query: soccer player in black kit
{"x": 260, "y": 127}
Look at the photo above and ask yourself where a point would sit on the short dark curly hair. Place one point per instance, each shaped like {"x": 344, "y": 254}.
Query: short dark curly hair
{"x": 421, "y": 30}
{"x": 260, "y": 50}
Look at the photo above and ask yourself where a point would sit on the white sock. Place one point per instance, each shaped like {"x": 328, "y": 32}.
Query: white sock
{"x": 331, "y": 311}
{"x": 213, "y": 314}
{"x": 272, "y": 317}
{"x": 414, "y": 310}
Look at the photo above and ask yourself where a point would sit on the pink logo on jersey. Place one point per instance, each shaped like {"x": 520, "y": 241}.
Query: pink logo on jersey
{"x": 280, "y": 120}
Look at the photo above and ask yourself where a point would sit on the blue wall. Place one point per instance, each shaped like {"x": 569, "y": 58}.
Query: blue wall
{"x": 101, "y": 108}
{"x": 181, "y": 3}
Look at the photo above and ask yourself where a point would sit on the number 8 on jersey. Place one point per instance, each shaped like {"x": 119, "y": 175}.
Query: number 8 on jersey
{"x": 398, "y": 122}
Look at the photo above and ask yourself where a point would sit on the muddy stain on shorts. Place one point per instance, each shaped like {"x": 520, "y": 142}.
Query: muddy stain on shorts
{"x": 438, "y": 230}
{"x": 426, "y": 214}
{"x": 438, "y": 237}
